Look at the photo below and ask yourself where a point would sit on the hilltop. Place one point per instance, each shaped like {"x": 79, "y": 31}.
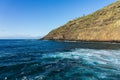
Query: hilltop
{"x": 102, "y": 25}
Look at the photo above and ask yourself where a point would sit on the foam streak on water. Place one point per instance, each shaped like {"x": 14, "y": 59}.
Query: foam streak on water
{"x": 107, "y": 61}
{"x": 39, "y": 60}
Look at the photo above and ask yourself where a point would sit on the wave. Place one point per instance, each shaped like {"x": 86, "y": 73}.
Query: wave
{"x": 100, "y": 56}
{"x": 59, "y": 61}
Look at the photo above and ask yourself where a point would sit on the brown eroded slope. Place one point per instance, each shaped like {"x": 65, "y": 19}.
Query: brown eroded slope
{"x": 102, "y": 25}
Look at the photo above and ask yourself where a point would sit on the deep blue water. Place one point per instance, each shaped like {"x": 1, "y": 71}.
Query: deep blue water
{"x": 56, "y": 60}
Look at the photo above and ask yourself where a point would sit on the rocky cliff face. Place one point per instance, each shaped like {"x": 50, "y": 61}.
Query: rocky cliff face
{"x": 102, "y": 25}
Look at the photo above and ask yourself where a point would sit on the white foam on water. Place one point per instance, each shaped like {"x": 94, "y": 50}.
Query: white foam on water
{"x": 40, "y": 77}
{"x": 91, "y": 55}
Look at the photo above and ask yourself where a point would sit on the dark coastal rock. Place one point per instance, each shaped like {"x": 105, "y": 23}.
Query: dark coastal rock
{"x": 102, "y": 25}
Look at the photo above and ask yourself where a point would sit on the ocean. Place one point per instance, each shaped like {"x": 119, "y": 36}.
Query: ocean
{"x": 58, "y": 60}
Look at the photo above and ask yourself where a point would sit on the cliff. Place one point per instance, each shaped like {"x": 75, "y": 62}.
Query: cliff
{"x": 102, "y": 25}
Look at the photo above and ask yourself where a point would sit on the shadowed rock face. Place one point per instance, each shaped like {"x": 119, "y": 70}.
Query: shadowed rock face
{"x": 102, "y": 25}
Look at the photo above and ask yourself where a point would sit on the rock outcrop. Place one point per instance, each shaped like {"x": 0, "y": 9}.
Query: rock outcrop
{"x": 102, "y": 25}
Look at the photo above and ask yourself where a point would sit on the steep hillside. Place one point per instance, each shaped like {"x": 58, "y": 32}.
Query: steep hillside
{"x": 102, "y": 25}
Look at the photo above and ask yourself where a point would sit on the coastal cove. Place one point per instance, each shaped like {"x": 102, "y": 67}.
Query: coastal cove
{"x": 59, "y": 40}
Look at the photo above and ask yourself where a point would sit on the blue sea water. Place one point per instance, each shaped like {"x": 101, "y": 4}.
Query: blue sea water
{"x": 57, "y": 60}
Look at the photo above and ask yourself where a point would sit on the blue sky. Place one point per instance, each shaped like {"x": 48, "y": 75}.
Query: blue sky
{"x": 35, "y": 18}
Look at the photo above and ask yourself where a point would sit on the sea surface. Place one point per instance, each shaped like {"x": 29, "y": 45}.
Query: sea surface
{"x": 57, "y": 60}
